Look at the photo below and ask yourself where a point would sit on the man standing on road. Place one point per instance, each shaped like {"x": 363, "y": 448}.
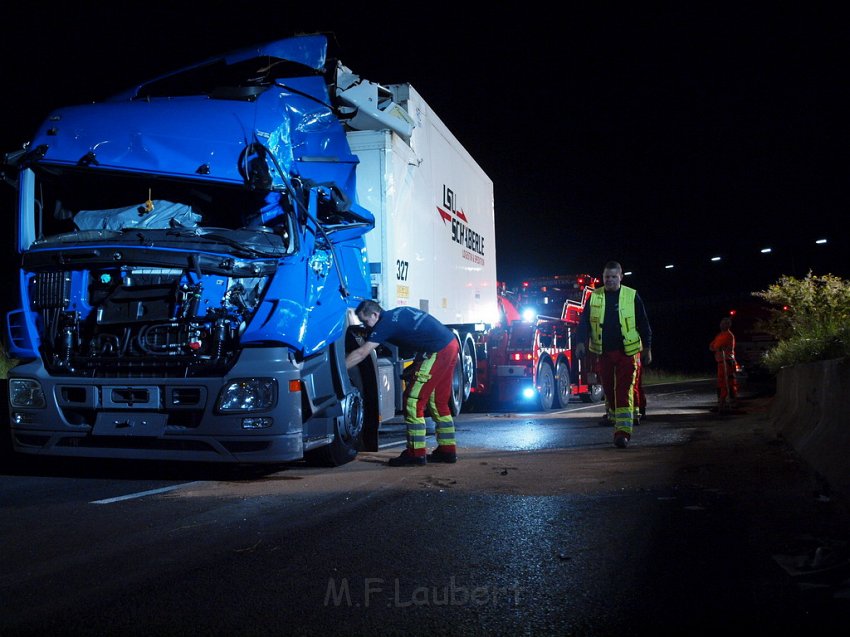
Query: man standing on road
{"x": 430, "y": 383}
{"x": 723, "y": 347}
{"x": 615, "y": 327}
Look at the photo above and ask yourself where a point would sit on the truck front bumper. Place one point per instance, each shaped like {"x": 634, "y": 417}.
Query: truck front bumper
{"x": 158, "y": 418}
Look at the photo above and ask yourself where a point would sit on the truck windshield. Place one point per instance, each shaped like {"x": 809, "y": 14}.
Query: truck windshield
{"x": 77, "y": 206}
{"x": 521, "y": 336}
{"x": 220, "y": 79}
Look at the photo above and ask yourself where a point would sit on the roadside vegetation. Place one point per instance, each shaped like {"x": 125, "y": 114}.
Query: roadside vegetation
{"x": 809, "y": 317}
{"x": 6, "y": 363}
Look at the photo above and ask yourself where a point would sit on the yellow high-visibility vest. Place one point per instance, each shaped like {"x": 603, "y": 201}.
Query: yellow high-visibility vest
{"x": 628, "y": 321}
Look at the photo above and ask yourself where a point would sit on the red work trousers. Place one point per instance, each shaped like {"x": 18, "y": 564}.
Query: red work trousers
{"x": 727, "y": 384}
{"x": 618, "y": 375}
{"x": 431, "y": 389}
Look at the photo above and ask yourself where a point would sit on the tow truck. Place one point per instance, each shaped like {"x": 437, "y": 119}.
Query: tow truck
{"x": 529, "y": 358}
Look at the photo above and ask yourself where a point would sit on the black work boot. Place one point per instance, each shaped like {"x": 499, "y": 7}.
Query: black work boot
{"x": 439, "y": 455}
{"x": 407, "y": 459}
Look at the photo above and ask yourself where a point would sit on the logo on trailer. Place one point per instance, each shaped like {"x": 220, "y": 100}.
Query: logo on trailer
{"x": 462, "y": 234}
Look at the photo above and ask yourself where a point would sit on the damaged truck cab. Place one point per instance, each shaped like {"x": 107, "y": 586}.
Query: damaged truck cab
{"x": 190, "y": 252}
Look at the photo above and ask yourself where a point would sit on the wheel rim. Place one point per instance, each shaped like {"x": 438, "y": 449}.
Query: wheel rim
{"x": 564, "y": 389}
{"x": 547, "y": 389}
{"x": 468, "y": 363}
{"x": 546, "y": 386}
{"x": 457, "y": 386}
{"x": 596, "y": 392}
{"x": 352, "y": 416}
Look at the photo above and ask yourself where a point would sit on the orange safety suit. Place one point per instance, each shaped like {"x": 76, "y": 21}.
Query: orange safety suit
{"x": 723, "y": 347}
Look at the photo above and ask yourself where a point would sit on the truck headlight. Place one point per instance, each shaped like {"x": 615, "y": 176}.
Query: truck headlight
{"x": 24, "y": 392}
{"x": 246, "y": 394}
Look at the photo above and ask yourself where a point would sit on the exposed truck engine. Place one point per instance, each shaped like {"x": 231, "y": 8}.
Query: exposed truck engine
{"x": 191, "y": 250}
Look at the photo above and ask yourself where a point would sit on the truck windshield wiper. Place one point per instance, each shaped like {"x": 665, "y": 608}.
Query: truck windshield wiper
{"x": 80, "y": 236}
{"x": 242, "y": 246}
{"x": 238, "y": 246}
{"x": 345, "y": 226}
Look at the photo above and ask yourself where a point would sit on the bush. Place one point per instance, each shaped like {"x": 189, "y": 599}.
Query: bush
{"x": 6, "y": 363}
{"x": 810, "y": 317}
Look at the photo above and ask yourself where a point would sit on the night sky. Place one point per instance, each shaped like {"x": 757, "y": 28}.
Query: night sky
{"x": 648, "y": 135}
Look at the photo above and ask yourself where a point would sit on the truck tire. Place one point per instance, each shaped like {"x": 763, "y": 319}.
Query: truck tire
{"x": 456, "y": 400}
{"x": 348, "y": 430}
{"x": 464, "y": 375}
{"x": 545, "y": 387}
{"x": 594, "y": 394}
{"x": 564, "y": 384}
{"x": 468, "y": 362}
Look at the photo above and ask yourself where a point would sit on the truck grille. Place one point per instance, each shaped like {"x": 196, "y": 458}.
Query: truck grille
{"x": 51, "y": 290}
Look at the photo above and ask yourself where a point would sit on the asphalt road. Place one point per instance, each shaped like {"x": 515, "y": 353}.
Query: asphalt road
{"x": 704, "y": 524}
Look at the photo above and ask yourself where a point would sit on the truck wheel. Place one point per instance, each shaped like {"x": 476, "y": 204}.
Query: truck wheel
{"x": 456, "y": 400}
{"x": 348, "y": 432}
{"x": 565, "y": 388}
{"x": 467, "y": 361}
{"x": 545, "y": 387}
{"x": 594, "y": 394}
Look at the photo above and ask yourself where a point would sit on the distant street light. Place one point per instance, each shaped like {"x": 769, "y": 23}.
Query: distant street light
{"x": 821, "y": 241}
{"x": 669, "y": 267}
{"x": 766, "y": 250}
{"x": 715, "y": 258}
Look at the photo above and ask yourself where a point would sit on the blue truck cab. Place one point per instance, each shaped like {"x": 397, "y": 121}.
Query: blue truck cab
{"x": 190, "y": 252}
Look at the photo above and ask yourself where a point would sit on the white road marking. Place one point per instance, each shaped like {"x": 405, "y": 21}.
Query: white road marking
{"x": 673, "y": 393}
{"x": 142, "y": 494}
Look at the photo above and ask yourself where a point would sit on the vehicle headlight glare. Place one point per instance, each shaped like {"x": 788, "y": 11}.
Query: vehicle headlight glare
{"x": 248, "y": 394}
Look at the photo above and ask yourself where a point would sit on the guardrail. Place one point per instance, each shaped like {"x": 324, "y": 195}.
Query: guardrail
{"x": 810, "y": 412}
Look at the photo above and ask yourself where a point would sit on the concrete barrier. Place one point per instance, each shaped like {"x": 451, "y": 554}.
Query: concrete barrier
{"x": 809, "y": 411}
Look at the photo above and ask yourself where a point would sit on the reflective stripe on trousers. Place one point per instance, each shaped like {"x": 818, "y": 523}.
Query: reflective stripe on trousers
{"x": 431, "y": 389}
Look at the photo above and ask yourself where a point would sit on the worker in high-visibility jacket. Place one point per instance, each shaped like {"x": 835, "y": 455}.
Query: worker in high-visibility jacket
{"x": 723, "y": 346}
{"x": 616, "y": 328}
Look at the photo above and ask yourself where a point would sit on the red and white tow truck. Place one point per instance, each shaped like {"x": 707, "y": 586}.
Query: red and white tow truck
{"x": 528, "y": 358}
